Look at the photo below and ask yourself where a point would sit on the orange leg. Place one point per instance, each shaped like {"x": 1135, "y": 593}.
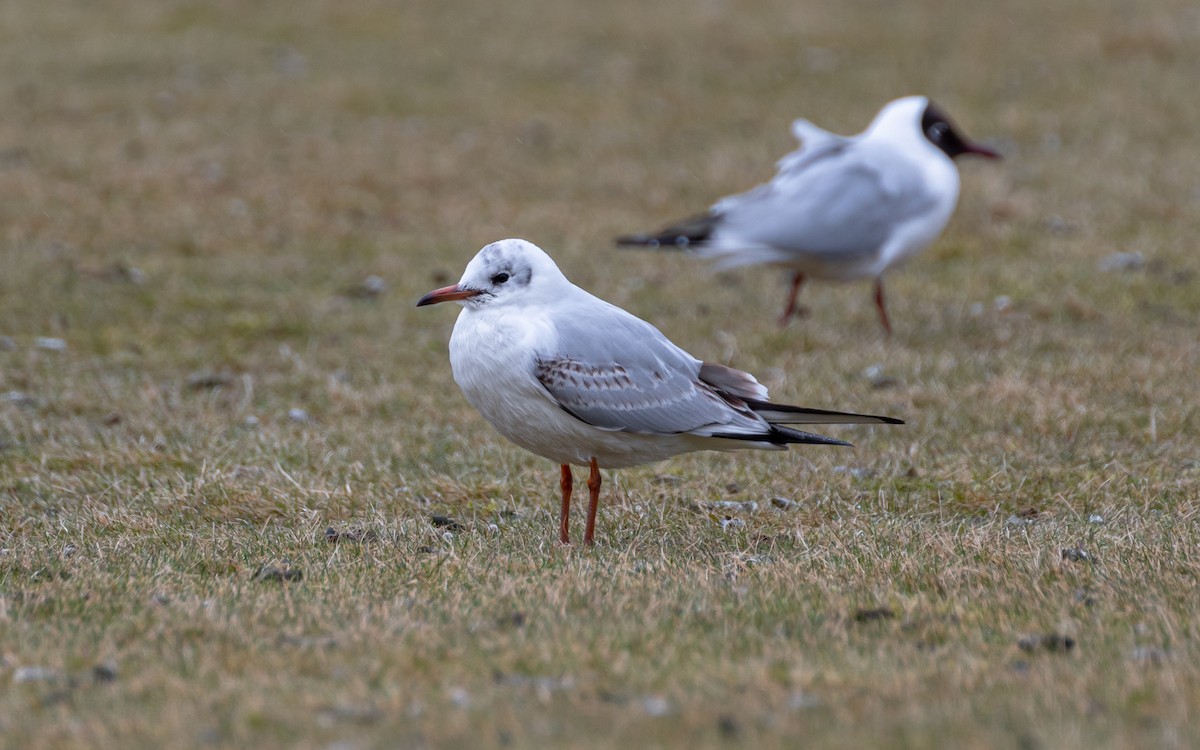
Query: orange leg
{"x": 791, "y": 309}
{"x": 593, "y": 502}
{"x": 883, "y": 316}
{"x": 564, "y": 519}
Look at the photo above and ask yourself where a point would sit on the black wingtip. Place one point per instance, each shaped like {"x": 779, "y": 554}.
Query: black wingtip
{"x": 789, "y": 414}
{"x": 680, "y": 236}
{"x": 637, "y": 240}
{"x": 791, "y": 437}
{"x": 787, "y": 436}
{"x": 655, "y": 242}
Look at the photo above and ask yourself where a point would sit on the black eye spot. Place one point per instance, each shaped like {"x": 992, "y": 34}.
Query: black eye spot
{"x": 500, "y": 278}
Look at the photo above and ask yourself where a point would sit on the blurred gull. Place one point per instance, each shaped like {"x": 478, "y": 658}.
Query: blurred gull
{"x": 840, "y": 207}
{"x": 576, "y": 380}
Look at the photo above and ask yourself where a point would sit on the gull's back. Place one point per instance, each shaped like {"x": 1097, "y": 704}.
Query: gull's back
{"x": 832, "y": 214}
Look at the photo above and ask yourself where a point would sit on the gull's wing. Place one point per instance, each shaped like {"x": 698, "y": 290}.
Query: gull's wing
{"x": 618, "y": 372}
{"x": 841, "y": 201}
{"x": 834, "y": 196}
{"x": 745, "y": 388}
{"x": 815, "y": 143}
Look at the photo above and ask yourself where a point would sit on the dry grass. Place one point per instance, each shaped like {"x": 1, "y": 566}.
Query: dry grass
{"x": 193, "y": 193}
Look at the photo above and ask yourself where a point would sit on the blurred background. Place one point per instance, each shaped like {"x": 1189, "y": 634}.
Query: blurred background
{"x": 219, "y": 148}
{"x": 253, "y": 195}
{"x": 219, "y": 215}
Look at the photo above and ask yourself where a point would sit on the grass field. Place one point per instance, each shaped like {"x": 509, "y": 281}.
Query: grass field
{"x": 225, "y": 429}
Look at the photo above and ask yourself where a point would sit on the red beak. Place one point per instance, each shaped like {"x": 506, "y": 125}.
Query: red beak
{"x": 446, "y": 294}
{"x": 978, "y": 150}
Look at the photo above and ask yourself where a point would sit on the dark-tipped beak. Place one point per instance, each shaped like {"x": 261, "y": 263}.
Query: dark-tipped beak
{"x": 980, "y": 150}
{"x": 446, "y": 294}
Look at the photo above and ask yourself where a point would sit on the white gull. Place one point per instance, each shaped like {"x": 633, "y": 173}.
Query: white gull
{"x": 840, "y": 207}
{"x": 579, "y": 381}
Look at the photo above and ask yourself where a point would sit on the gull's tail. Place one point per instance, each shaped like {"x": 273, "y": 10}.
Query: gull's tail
{"x": 788, "y": 414}
{"x": 692, "y": 231}
{"x": 787, "y": 436}
{"x": 778, "y": 415}
{"x": 743, "y": 391}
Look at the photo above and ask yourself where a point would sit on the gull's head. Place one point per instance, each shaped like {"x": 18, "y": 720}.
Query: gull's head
{"x": 504, "y": 272}
{"x": 903, "y": 118}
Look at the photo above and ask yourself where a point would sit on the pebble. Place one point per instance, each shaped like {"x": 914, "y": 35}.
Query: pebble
{"x": 14, "y": 157}
{"x": 50, "y": 344}
{"x": 732, "y": 524}
{"x": 755, "y": 560}
{"x": 821, "y": 59}
{"x": 446, "y": 522}
{"x": 36, "y": 674}
{"x": 369, "y": 288}
{"x": 291, "y": 63}
{"x": 874, "y": 614}
{"x": 1075, "y": 554}
{"x": 296, "y": 414}
{"x": 513, "y": 619}
{"x": 886, "y": 381}
{"x": 745, "y": 506}
{"x": 360, "y": 714}
{"x": 105, "y": 672}
{"x": 272, "y": 573}
{"x": 1059, "y": 225}
{"x": 855, "y": 471}
{"x": 18, "y": 398}
{"x": 199, "y": 381}
{"x": 543, "y": 685}
{"x": 1151, "y": 655}
{"x": 1132, "y": 261}
{"x": 309, "y": 641}
{"x": 1052, "y": 642}
{"x": 351, "y": 534}
{"x": 727, "y": 726}
{"x": 656, "y": 705}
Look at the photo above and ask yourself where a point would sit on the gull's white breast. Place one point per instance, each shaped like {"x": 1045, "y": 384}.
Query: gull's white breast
{"x": 940, "y": 178}
{"x": 492, "y": 356}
